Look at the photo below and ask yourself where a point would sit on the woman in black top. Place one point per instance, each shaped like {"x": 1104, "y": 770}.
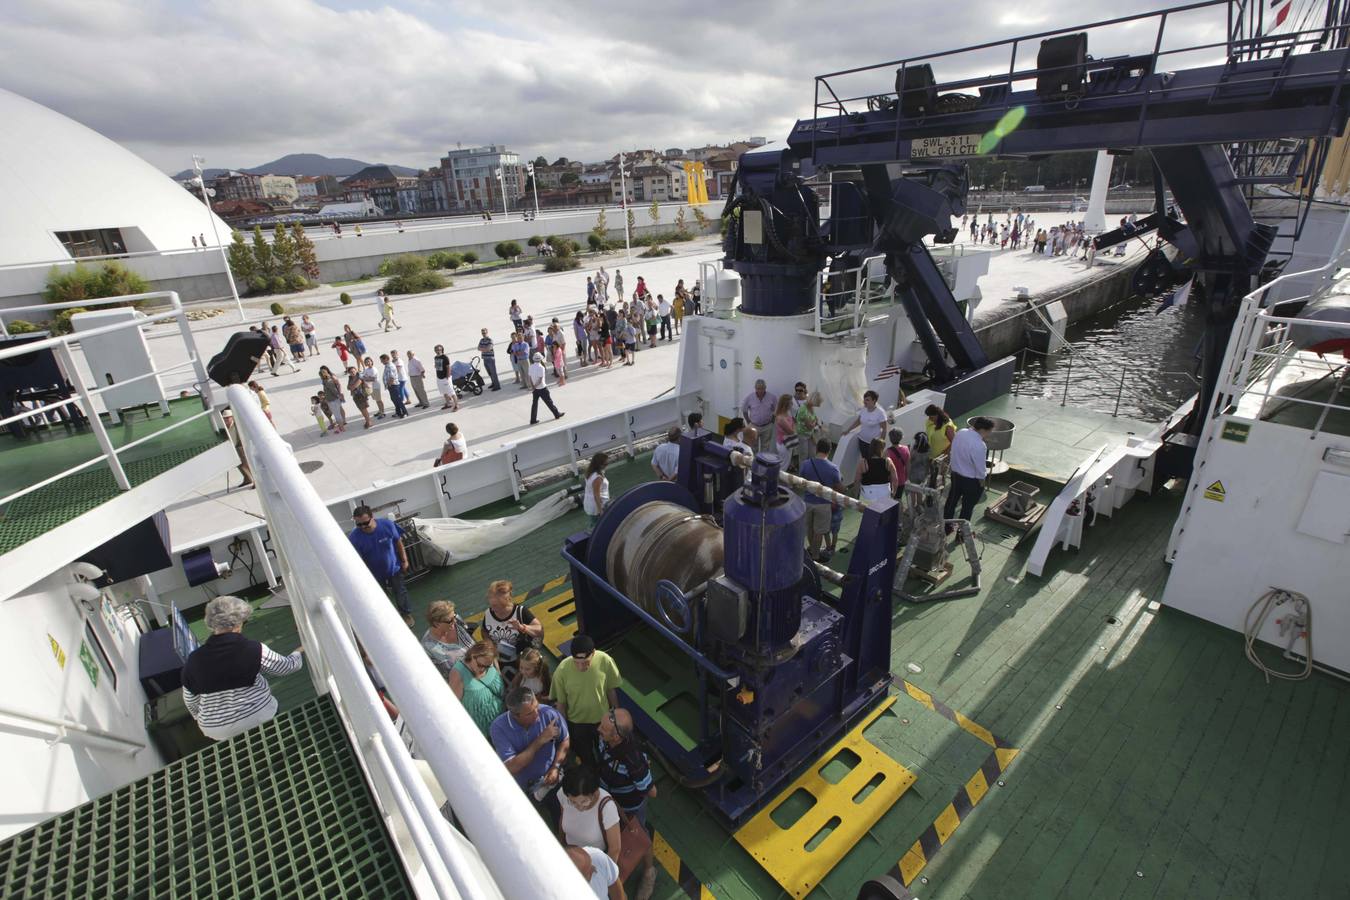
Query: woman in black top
{"x": 875, "y": 473}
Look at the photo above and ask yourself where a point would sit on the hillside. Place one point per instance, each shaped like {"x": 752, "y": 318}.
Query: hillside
{"x": 304, "y": 164}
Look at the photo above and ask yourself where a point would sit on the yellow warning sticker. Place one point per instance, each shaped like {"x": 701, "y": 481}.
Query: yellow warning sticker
{"x": 1215, "y": 492}
{"x": 759, "y": 363}
{"x": 57, "y": 652}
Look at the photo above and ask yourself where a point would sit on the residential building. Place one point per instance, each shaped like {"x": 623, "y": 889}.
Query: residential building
{"x": 279, "y": 187}
{"x": 644, "y": 183}
{"x": 237, "y": 186}
{"x": 431, "y": 193}
{"x": 597, "y": 174}
{"x": 306, "y": 187}
{"x": 576, "y": 195}
{"x": 672, "y": 153}
{"x": 473, "y": 180}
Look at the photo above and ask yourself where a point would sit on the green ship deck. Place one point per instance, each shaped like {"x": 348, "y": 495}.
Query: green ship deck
{"x": 1070, "y": 737}
{"x": 47, "y": 452}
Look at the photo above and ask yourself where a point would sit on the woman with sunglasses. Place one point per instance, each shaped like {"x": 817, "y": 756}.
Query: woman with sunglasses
{"x": 478, "y": 683}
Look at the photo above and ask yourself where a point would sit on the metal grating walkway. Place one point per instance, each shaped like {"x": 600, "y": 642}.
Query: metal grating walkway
{"x": 64, "y": 500}
{"x": 281, "y": 811}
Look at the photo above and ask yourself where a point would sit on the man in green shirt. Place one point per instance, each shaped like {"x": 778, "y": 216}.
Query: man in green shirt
{"x": 585, "y": 689}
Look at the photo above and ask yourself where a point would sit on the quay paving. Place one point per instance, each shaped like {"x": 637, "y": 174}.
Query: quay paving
{"x": 1135, "y": 752}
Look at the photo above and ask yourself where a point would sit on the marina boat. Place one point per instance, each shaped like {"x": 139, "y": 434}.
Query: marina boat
{"x": 1125, "y": 676}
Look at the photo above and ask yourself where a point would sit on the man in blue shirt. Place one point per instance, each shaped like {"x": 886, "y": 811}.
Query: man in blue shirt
{"x": 380, "y": 545}
{"x": 532, "y": 741}
{"x": 489, "y": 357}
{"x": 520, "y": 359}
{"x": 818, "y": 510}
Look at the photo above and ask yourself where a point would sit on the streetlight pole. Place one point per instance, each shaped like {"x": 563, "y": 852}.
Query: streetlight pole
{"x": 501, "y": 180}
{"x": 197, "y": 162}
{"x": 623, "y": 205}
{"x": 534, "y": 186}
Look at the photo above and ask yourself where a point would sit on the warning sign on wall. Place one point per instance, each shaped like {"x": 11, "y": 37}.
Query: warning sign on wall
{"x": 1215, "y": 492}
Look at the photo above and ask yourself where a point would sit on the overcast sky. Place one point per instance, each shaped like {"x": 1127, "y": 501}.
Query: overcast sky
{"x": 245, "y": 81}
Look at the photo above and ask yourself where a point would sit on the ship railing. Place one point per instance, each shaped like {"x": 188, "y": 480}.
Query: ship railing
{"x": 1121, "y": 49}
{"x": 502, "y": 848}
{"x": 1261, "y": 355}
{"x": 1090, "y": 394}
{"x": 86, "y": 390}
{"x": 842, "y": 296}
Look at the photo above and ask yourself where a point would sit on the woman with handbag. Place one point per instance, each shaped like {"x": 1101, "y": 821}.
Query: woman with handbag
{"x": 591, "y": 818}
{"x": 455, "y": 446}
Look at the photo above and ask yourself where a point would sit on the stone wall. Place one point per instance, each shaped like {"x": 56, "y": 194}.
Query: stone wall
{"x": 1006, "y": 335}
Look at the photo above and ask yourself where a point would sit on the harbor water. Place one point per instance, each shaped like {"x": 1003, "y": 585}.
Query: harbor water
{"x": 1133, "y": 359}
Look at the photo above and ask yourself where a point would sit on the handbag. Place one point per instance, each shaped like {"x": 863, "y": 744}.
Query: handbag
{"x": 634, "y": 841}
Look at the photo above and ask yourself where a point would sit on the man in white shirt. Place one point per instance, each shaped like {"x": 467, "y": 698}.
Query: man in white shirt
{"x": 402, "y": 374}
{"x": 539, "y": 385}
{"x": 600, "y": 872}
{"x": 417, "y": 374}
{"x": 663, "y": 310}
{"x": 666, "y": 457}
{"x": 967, "y": 458}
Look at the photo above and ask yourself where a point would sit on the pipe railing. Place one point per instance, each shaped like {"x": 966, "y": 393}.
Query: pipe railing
{"x": 63, "y": 726}
{"x": 84, "y": 393}
{"x": 320, "y": 567}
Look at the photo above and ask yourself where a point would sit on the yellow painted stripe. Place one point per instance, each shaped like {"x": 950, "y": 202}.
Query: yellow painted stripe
{"x": 666, "y": 856}
{"x": 978, "y": 730}
{"x": 976, "y": 788}
{"x": 705, "y": 894}
{"x": 946, "y": 823}
{"x": 919, "y": 694}
{"x": 912, "y": 863}
{"x": 1005, "y": 756}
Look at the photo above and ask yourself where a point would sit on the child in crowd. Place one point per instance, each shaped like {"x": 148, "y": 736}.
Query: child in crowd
{"x": 317, "y": 410}
{"x": 534, "y": 674}
{"x": 263, "y": 401}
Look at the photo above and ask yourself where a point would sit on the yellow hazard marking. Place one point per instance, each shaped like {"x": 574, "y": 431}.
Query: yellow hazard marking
{"x": 978, "y": 730}
{"x": 57, "y": 652}
{"x": 680, "y": 873}
{"x": 783, "y": 851}
{"x": 946, "y": 823}
{"x": 559, "y": 615}
{"x": 666, "y": 856}
{"x": 1216, "y": 492}
{"x": 759, "y": 363}
{"x": 976, "y": 788}
{"x": 919, "y": 694}
{"x": 912, "y": 863}
{"x": 968, "y": 796}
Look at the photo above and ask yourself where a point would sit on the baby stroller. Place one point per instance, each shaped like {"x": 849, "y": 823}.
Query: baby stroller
{"x": 466, "y": 377}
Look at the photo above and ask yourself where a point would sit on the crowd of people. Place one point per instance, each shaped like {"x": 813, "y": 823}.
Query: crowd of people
{"x": 560, "y": 733}
{"x": 1019, "y": 230}
{"x": 611, "y": 327}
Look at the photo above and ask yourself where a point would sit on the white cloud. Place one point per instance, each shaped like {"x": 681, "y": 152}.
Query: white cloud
{"x": 245, "y": 81}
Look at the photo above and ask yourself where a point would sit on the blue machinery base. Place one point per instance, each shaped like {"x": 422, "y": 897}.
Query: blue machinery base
{"x": 761, "y": 717}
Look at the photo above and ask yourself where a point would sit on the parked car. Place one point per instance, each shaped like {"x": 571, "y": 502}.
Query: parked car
{"x": 1034, "y": 189}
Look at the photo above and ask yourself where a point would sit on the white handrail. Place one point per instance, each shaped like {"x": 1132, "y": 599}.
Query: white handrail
{"x": 126, "y": 744}
{"x": 524, "y": 859}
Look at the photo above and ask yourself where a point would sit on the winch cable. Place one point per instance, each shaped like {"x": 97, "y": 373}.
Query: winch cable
{"x": 1261, "y": 610}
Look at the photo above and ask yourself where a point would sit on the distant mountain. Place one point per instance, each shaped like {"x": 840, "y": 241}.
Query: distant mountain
{"x": 304, "y": 164}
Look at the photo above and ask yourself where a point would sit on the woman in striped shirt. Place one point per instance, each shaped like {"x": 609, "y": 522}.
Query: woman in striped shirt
{"x": 223, "y": 684}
